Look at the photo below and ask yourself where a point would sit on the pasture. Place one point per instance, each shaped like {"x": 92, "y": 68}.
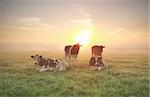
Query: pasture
{"x": 127, "y": 76}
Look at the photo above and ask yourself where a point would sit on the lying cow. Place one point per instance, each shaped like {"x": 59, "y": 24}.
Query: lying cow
{"x": 97, "y": 51}
{"x": 96, "y": 63}
{"x": 44, "y": 64}
{"x": 71, "y": 52}
{"x": 61, "y": 65}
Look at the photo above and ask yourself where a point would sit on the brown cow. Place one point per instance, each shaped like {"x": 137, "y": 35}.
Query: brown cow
{"x": 71, "y": 51}
{"x": 97, "y": 51}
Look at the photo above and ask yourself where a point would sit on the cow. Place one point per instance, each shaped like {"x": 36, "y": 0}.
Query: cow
{"x": 43, "y": 63}
{"x": 96, "y": 63}
{"x": 61, "y": 65}
{"x": 71, "y": 51}
{"x": 97, "y": 50}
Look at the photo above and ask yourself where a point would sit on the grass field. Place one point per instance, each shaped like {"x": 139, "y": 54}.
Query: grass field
{"x": 127, "y": 76}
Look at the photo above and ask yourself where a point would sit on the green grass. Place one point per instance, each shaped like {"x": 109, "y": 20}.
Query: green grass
{"x": 127, "y": 76}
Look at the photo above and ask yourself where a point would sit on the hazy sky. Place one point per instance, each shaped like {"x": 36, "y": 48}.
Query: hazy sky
{"x": 47, "y": 24}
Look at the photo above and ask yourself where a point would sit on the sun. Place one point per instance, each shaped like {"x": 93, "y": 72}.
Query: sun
{"x": 83, "y": 37}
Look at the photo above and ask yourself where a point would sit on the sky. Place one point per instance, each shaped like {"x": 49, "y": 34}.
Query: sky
{"x": 51, "y": 24}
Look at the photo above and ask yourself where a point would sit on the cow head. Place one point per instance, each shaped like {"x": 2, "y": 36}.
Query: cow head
{"x": 102, "y": 46}
{"x": 78, "y": 44}
{"x": 36, "y": 58}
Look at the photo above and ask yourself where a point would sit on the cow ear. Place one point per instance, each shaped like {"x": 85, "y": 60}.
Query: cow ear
{"x": 32, "y": 56}
{"x": 103, "y": 46}
{"x": 56, "y": 60}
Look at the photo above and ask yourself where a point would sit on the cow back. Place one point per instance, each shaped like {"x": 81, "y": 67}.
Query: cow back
{"x": 75, "y": 49}
{"x": 67, "y": 49}
{"x": 97, "y": 50}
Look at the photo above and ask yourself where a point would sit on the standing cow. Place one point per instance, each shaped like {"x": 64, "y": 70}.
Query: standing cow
{"x": 97, "y": 51}
{"x": 71, "y": 51}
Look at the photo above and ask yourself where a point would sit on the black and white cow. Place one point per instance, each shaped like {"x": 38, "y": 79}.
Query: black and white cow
{"x": 44, "y": 64}
{"x": 96, "y": 63}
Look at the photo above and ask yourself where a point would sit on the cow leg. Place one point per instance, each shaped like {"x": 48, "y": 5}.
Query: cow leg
{"x": 71, "y": 60}
{"x": 92, "y": 54}
{"x": 74, "y": 61}
{"x": 38, "y": 68}
{"x": 90, "y": 67}
{"x": 45, "y": 65}
{"x": 69, "y": 57}
{"x": 65, "y": 55}
{"x": 42, "y": 69}
{"x": 99, "y": 68}
{"x": 106, "y": 66}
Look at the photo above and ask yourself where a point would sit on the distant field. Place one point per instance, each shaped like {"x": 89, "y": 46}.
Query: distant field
{"x": 127, "y": 76}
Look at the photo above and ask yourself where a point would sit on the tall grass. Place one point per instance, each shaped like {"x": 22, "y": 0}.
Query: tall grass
{"x": 127, "y": 76}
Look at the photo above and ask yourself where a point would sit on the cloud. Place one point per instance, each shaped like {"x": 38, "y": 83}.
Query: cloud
{"x": 29, "y": 23}
{"x": 78, "y": 8}
{"x": 118, "y": 30}
{"x": 122, "y": 37}
{"x": 84, "y": 13}
{"x": 34, "y": 23}
{"x": 125, "y": 36}
{"x": 127, "y": 32}
{"x": 85, "y": 24}
{"x": 83, "y": 19}
{"x": 29, "y": 20}
{"x": 87, "y": 21}
{"x": 81, "y": 10}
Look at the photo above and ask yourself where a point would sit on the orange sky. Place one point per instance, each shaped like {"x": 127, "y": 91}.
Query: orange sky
{"x": 49, "y": 24}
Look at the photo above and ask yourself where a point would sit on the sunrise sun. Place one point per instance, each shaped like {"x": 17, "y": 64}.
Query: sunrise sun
{"x": 83, "y": 37}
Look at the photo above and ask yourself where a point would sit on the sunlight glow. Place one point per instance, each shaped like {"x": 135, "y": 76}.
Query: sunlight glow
{"x": 83, "y": 37}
